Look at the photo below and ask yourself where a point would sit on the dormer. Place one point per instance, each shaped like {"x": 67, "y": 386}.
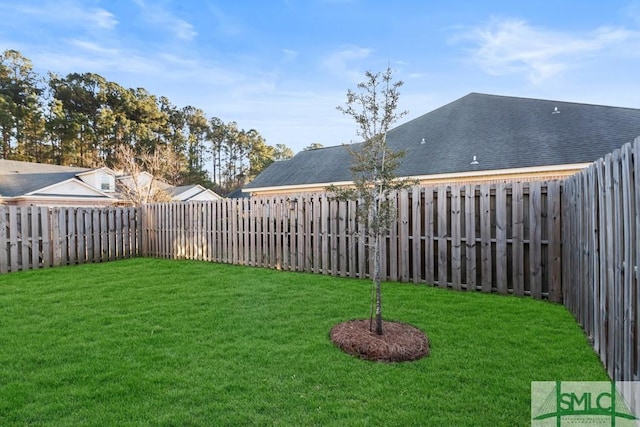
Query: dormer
{"x": 107, "y": 183}
{"x": 102, "y": 179}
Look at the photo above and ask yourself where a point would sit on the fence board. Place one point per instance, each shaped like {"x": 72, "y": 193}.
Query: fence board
{"x": 443, "y": 255}
{"x": 5, "y": 230}
{"x": 324, "y": 236}
{"x": 174, "y": 231}
{"x": 176, "y": 243}
{"x": 635, "y": 302}
{"x": 485, "y": 236}
{"x": 554, "y": 242}
{"x": 234, "y": 232}
{"x": 300, "y": 235}
{"x": 111, "y": 227}
{"x": 517, "y": 203}
{"x": 385, "y": 250}
{"x": 501, "y": 239}
{"x": 627, "y": 223}
{"x": 170, "y": 234}
{"x": 317, "y": 248}
{"x": 24, "y": 238}
{"x": 581, "y": 255}
{"x": 535, "y": 239}
{"x": 403, "y": 240}
{"x": 333, "y": 235}
{"x": 45, "y": 214}
{"x": 88, "y": 235}
{"x": 470, "y": 236}
{"x": 55, "y": 238}
{"x": 65, "y": 251}
{"x": 311, "y": 225}
{"x": 456, "y": 239}
{"x": 270, "y": 213}
{"x": 609, "y": 212}
{"x": 416, "y": 233}
{"x": 342, "y": 236}
{"x": 245, "y": 237}
{"x": 594, "y": 265}
{"x": 34, "y": 240}
{"x": 13, "y": 239}
{"x": 617, "y": 264}
{"x": 429, "y": 237}
{"x": 603, "y": 257}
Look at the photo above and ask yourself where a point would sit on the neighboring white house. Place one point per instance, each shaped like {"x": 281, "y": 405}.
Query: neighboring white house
{"x": 145, "y": 183}
{"x": 26, "y": 183}
{"x": 189, "y": 193}
{"x": 103, "y": 179}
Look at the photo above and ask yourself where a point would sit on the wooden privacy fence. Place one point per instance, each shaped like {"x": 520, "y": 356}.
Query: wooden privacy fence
{"x": 492, "y": 237}
{"x": 601, "y": 257}
{"x": 578, "y": 245}
{"x": 38, "y": 237}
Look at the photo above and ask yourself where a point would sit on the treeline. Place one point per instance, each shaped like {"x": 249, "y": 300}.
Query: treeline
{"x": 85, "y": 120}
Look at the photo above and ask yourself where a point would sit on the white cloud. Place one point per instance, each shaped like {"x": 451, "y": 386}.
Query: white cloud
{"x": 289, "y": 54}
{"x": 510, "y": 46}
{"x": 67, "y": 12}
{"x": 339, "y": 63}
{"x": 155, "y": 14}
{"x": 183, "y": 30}
{"x": 101, "y": 18}
{"x": 94, "y": 48}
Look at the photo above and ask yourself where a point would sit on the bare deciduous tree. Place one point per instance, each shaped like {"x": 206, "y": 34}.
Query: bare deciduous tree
{"x": 140, "y": 180}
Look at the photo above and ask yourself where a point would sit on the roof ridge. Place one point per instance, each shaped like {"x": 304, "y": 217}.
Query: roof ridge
{"x": 49, "y": 165}
{"x": 547, "y": 100}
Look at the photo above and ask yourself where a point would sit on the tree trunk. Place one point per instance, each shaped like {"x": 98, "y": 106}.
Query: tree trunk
{"x": 376, "y": 282}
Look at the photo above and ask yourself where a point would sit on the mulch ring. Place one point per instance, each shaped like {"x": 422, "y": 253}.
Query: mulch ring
{"x": 400, "y": 342}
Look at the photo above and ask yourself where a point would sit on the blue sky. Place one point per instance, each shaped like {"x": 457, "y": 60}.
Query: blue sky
{"x": 282, "y": 66}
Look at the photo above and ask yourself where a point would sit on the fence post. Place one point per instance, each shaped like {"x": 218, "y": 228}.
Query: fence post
{"x": 554, "y": 236}
{"x": 4, "y": 250}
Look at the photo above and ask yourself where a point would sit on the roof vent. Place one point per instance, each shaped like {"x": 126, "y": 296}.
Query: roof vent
{"x": 423, "y": 141}
{"x": 474, "y": 161}
{"x": 555, "y": 110}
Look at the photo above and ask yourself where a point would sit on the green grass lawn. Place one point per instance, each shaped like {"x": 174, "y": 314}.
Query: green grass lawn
{"x": 161, "y": 342}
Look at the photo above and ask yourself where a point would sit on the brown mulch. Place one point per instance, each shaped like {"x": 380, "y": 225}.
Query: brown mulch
{"x": 400, "y": 342}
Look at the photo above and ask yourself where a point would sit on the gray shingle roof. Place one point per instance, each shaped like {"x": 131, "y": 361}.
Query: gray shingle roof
{"x": 19, "y": 178}
{"x": 321, "y": 165}
{"x": 174, "y": 191}
{"x": 502, "y": 132}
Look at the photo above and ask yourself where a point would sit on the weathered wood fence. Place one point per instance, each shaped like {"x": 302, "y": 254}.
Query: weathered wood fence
{"x": 494, "y": 237}
{"x": 39, "y": 237}
{"x": 601, "y": 257}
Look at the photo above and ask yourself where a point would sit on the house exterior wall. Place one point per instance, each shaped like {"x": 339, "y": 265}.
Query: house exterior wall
{"x": 203, "y": 196}
{"x": 99, "y": 179}
{"x": 486, "y": 177}
{"x": 72, "y": 188}
{"x": 57, "y": 201}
